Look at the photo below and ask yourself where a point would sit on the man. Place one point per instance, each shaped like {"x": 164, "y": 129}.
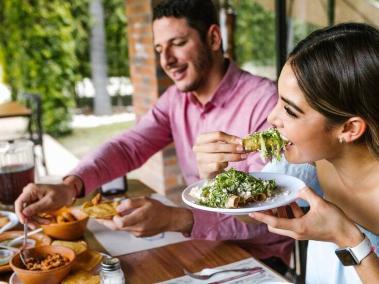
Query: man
{"x": 209, "y": 94}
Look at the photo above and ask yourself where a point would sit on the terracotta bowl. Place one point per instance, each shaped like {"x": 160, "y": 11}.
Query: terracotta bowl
{"x": 69, "y": 231}
{"x": 53, "y": 276}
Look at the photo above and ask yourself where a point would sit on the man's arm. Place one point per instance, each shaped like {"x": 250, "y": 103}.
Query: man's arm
{"x": 129, "y": 150}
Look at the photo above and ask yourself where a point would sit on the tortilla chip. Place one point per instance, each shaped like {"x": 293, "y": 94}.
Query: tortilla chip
{"x": 3, "y": 220}
{"x": 77, "y": 247}
{"x": 97, "y": 208}
{"x": 82, "y": 277}
{"x": 87, "y": 261}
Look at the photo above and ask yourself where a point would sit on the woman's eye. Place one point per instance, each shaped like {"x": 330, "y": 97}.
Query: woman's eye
{"x": 289, "y": 111}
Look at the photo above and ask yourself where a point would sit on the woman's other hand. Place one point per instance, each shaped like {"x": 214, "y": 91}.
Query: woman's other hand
{"x": 323, "y": 222}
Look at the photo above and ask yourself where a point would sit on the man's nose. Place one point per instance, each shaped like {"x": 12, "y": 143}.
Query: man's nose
{"x": 167, "y": 59}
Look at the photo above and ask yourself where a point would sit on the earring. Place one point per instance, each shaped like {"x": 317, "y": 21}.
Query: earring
{"x": 341, "y": 140}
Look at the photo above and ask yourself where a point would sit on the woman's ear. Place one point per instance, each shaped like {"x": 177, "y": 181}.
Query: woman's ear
{"x": 214, "y": 37}
{"x": 353, "y": 129}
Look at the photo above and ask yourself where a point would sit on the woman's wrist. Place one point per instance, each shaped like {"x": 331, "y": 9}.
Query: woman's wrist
{"x": 349, "y": 237}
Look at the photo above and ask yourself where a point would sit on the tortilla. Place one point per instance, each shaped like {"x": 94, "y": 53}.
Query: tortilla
{"x": 77, "y": 247}
{"x": 82, "y": 277}
{"x": 3, "y": 220}
{"x": 97, "y": 208}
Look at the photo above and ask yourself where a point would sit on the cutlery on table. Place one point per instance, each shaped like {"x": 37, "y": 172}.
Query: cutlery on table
{"x": 205, "y": 277}
{"x": 24, "y": 254}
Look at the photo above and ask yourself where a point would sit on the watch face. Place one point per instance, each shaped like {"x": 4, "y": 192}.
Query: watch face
{"x": 346, "y": 257}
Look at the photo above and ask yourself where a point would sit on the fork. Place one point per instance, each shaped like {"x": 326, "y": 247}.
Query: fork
{"x": 23, "y": 254}
{"x": 205, "y": 277}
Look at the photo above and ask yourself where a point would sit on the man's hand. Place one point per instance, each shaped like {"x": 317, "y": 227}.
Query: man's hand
{"x": 145, "y": 217}
{"x": 215, "y": 150}
{"x": 41, "y": 198}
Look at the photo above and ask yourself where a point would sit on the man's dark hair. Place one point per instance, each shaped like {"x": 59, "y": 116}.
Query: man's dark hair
{"x": 200, "y": 14}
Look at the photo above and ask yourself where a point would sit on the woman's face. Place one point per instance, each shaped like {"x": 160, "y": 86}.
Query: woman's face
{"x": 305, "y": 128}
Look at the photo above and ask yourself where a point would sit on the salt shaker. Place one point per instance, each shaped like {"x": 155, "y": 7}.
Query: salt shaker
{"x": 111, "y": 272}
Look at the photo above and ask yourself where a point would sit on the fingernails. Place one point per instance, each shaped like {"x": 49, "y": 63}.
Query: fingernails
{"x": 243, "y": 156}
{"x": 240, "y": 148}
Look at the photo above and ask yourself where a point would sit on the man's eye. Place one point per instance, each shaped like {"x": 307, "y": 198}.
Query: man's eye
{"x": 290, "y": 112}
{"x": 179, "y": 43}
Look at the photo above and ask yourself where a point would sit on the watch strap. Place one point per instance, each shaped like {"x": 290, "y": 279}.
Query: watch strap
{"x": 362, "y": 250}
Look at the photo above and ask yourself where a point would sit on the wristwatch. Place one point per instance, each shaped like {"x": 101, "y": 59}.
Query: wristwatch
{"x": 353, "y": 256}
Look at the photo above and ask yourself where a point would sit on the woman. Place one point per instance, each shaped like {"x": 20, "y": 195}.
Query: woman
{"x": 328, "y": 109}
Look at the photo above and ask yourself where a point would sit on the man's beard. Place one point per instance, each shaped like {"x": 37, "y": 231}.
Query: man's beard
{"x": 202, "y": 65}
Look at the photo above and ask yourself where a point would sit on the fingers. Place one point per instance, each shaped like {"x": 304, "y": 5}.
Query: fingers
{"x": 28, "y": 195}
{"x": 218, "y": 136}
{"x": 275, "y": 222}
{"x": 218, "y": 147}
{"x": 307, "y": 194}
{"x": 131, "y": 203}
{"x": 296, "y": 210}
{"x": 108, "y": 223}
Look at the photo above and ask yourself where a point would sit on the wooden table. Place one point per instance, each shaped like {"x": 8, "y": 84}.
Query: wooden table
{"x": 14, "y": 109}
{"x": 167, "y": 262}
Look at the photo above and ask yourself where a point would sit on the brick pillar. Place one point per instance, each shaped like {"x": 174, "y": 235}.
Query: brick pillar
{"x": 161, "y": 172}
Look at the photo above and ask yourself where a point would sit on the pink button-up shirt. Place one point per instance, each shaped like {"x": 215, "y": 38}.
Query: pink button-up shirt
{"x": 239, "y": 106}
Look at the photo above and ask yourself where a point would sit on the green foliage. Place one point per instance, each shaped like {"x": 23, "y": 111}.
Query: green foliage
{"x": 37, "y": 39}
{"x": 45, "y": 47}
{"x": 255, "y": 33}
{"x": 117, "y": 41}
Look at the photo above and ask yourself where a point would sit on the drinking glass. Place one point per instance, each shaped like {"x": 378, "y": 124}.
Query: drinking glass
{"x": 16, "y": 169}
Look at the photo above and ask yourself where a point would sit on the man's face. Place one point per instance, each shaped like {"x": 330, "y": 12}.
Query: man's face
{"x": 183, "y": 56}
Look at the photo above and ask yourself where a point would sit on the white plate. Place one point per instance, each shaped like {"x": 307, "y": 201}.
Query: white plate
{"x": 13, "y": 221}
{"x": 289, "y": 187}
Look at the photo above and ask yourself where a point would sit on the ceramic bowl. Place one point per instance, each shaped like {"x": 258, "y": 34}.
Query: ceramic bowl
{"x": 69, "y": 231}
{"x": 53, "y": 276}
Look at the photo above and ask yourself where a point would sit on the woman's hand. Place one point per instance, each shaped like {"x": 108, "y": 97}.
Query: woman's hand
{"x": 323, "y": 222}
{"x": 215, "y": 150}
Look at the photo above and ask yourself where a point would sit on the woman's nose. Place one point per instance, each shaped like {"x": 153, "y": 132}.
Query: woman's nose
{"x": 273, "y": 118}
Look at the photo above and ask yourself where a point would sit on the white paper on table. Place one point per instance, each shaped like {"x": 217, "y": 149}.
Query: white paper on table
{"x": 265, "y": 277}
{"x": 119, "y": 242}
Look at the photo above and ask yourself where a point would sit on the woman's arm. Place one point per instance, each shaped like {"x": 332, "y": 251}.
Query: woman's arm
{"x": 323, "y": 222}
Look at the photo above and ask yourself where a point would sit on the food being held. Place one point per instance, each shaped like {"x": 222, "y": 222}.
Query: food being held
{"x": 100, "y": 208}
{"x": 49, "y": 262}
{"x": 269, "y": 143}
{"x": 233, "y": 189}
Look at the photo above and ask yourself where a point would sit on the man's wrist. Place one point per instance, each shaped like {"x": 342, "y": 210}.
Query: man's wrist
{"x": 181, "y": 220}
{"x": 75, "y": 187}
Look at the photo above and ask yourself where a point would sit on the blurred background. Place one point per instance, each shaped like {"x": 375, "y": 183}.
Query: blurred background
{"x": 93, "y": 65}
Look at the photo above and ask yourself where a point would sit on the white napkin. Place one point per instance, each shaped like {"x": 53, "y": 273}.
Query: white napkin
{"x": 267, "y": 276}
{"x": 119, "y": 242}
